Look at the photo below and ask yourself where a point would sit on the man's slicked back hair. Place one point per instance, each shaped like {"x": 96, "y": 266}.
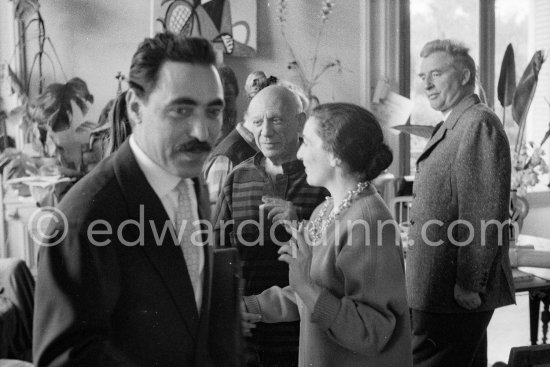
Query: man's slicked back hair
{"x": 152, "y": 53}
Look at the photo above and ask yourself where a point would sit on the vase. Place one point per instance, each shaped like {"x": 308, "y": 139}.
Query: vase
{"x": 519, "y": 208}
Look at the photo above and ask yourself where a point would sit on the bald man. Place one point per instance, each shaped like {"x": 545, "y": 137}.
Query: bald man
{"x": 261, "y": 191}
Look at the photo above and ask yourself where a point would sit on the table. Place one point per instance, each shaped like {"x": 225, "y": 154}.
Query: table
{"x": 539, "y": 291}
{"x": 538, "y": 288}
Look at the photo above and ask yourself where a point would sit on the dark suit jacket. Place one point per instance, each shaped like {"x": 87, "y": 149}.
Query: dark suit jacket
{"x": 107, "y": 302}
{"x": 463, "y": 174}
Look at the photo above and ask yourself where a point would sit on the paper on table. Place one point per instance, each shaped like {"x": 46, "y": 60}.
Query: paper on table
{"x": 42, "y": 181}
{"x": 521, "y": 276}
{"x": 391, "y": 109}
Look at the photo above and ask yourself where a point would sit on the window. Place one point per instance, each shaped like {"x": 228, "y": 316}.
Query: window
{"x": 431, "y": 19}
{"x": 511, "y": 26}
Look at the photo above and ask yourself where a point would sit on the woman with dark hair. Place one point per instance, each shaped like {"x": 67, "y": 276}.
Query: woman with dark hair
{"x": 347, "y": 282}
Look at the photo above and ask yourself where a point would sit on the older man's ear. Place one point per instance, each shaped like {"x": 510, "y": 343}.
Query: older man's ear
{"x": 465, "y": 76}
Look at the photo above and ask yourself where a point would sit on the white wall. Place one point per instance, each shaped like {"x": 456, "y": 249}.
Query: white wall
{"x": 6, "y": 37}
{"x": 303, "y": 23}
{"x": 537, "y": 222}
{"x": 96, "y": 39}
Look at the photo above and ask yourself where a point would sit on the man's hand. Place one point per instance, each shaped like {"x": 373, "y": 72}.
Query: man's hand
{"x": 278, "y": 210}
{"x": 468, "y": 299}
{"x": 248, "y": 320}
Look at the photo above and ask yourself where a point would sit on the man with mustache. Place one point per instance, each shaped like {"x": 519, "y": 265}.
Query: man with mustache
{"x": 125, "y": 279}
{"x": 259, "y": 193}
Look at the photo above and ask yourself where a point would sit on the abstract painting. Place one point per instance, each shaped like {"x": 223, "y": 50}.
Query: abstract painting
{"x": 229, "y": 24}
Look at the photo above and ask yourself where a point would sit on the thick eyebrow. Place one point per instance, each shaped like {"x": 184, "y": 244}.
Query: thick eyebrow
{"x": 191, "y": 102}
{"x": 217, "y": 103}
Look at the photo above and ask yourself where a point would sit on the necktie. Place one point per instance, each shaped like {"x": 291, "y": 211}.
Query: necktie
{"x": 185, "y": 217}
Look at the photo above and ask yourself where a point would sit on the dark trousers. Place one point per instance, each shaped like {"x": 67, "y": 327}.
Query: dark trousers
{"x": 449, "y": 339}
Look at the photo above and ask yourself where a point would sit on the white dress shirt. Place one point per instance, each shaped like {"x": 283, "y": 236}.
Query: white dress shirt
{"x": 446, "y": 115}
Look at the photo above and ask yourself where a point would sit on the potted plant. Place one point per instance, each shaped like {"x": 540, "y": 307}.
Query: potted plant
{"x": 49, "y": 121}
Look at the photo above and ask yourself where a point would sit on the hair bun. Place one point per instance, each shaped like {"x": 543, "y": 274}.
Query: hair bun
{"x": 381, "y": 160}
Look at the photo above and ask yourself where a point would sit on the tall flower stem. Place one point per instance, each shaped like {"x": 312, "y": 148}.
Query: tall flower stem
{"x": 316, "y": 55}
{"x": 301, "y": 74}
{"x": 308, "y": 78}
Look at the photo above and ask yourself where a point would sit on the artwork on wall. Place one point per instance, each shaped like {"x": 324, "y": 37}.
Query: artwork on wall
{"x": 229, "y": 24}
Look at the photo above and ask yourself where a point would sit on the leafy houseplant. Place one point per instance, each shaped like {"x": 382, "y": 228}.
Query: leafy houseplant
{"x": 527, "y": 162}
{"x": 48, "y": 120}
{"x": 52, "y": 113}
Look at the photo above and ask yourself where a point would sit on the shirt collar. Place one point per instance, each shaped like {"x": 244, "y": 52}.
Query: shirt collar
{"x": 160, "y": 180}
{"x": 446, "y": 115}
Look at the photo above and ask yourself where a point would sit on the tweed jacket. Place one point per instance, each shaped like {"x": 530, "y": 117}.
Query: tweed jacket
{"x": 462, "y": 183}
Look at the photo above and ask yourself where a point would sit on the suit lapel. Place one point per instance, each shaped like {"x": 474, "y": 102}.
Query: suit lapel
{"x": 435, "y": 139}
{"x": 166, "y": 257}
{"x": 449, "y": 124}
{"x": 203, "y": 201}
{"x": 201, "y": 355}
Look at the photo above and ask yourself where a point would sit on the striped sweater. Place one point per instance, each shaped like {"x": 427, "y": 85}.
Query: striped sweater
{"x": 239, "y": 224}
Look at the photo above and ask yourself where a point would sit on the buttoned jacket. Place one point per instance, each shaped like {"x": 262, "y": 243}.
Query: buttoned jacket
{"x": 459, "y": 213}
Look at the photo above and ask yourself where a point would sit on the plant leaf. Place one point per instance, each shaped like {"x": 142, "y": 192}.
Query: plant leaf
{"x": 7, "y": 156}
{"x": 85, "y": 127}
{"x": 547, "y": 135}
{"x": 53, "y": 107}
{"x": 17, "y": 112}
{"x": 424, "y": 131}
{"x": 524, "y": 95}
{"x": 16, "y": 84}
{"x": 20, "y": 166}
{"x": 507, "y": 80}
{"x": 24, "y": 8}
{"x": 525, "y": 90}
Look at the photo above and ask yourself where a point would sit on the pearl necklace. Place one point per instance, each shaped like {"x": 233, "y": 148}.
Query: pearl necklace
{"x": 317, "y": 227}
